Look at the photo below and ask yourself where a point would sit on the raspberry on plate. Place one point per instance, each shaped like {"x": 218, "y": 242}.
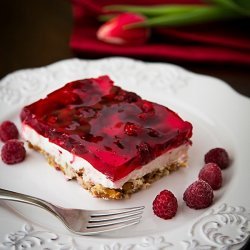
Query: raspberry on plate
{"x": 218, "y": 156}
{"x": 198, "y": 195}
{"x": 211, "y": 173}
{"x": 165, "y": 205}
{"x": 13, "y": 151}
{"x": 8, "y": 130}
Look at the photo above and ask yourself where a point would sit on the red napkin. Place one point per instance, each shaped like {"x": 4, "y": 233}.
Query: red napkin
{"x": 221, "y": 42}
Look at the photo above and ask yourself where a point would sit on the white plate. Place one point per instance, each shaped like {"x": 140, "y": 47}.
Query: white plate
{"x": 220, "y": 117}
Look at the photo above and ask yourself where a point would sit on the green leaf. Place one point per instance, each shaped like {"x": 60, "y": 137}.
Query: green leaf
{"x": 155, "y": 10}
{"x": 239, "y": 6}
{"x": 202, "y": 14}
{"x": 105, "y": 18}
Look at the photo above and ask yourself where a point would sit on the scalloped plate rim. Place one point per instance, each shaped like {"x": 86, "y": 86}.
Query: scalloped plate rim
{"x": 216, "y": 81}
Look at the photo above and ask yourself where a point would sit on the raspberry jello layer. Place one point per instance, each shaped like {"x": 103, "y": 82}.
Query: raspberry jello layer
{"x": 111, "y": 140}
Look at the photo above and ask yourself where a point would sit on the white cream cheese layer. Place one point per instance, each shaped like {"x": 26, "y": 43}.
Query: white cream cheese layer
{"x": 64, "y": 157}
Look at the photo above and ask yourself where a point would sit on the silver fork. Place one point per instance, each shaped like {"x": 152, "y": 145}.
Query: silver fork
{"x": 79, "y": 221}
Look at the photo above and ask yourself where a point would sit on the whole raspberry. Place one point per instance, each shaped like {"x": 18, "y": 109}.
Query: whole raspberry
{"x": 152, "y": 132}
{"x": 131, "y": 97}
{"x": 8, "y": 130}
{"x": 13, "y": 151}
{"x": 145, "y": 153}
{"x": 131, "y": 129}
{"x": 211, "y": 173}
{"x": 147, "y": 106}
{"x": 165, "y": 205}
{"x": 218, "y": 156}
{"x": 198, "y": 195}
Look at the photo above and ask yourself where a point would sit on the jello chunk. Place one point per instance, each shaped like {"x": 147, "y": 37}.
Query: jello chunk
{"x": 113, "y": 129}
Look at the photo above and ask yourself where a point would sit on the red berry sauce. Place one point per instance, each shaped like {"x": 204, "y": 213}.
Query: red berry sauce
{"x": 115, "y": 130}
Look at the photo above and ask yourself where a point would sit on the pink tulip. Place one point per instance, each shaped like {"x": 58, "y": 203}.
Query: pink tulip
{"x": 116, "y": 31}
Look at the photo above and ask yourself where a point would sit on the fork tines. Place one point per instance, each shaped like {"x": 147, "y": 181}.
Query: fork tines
{"x": 114, "y": 219}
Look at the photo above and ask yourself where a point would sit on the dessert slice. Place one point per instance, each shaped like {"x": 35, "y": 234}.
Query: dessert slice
{"x": 111, "y": 140}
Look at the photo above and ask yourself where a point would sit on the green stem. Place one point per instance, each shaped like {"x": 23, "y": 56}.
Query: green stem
{"x": 105, "y": 18}
{"x": 232, "y": 5}
{"x": 155, "y": 10}
{"x": 203, "y": 14}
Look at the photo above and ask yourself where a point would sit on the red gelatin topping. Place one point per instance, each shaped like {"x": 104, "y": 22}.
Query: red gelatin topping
{"x": 102, "y": 123}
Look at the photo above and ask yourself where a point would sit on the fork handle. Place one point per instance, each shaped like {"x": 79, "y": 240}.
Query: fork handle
{"x": 15, "y": 196}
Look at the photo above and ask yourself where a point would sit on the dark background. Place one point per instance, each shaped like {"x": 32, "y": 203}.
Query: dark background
{"x": 36, "y": 33}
